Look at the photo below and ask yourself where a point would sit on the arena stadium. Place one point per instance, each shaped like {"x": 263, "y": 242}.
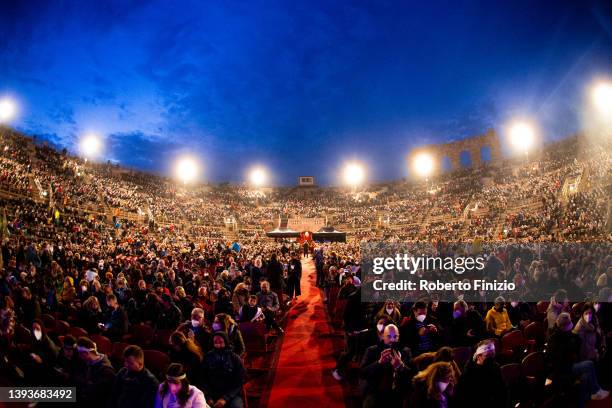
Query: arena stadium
{"x": 480, "y": 275}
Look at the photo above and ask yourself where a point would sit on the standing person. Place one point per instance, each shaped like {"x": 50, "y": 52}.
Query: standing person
{"x": 176, "y": 392}
{"x": 294, "y": 274}
{"x": 306, "y": 249}
{"x": 353, "y": 324}
{"x": 135, "y": 386}
{"x": 274, "y": 272}
{"x": 268, "y": 301}
{"x": 319, "y": 263}
{"x": 592, "y": 339}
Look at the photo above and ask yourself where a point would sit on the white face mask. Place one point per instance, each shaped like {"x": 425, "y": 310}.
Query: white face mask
{"x": 442, "y": 386}
{"x": 514, "y": 304}
{"x": 587, "y": 318}
{"x": 216, "y": 326}
{"x": 195, "y": 323}
{"x": 380, "y": 327}
{"x": 421, "y": 318}
{"x": 389, "y": 310}
{"x": 596, "y": 307}
{"x": 84, "y": 288}
{"x": 38, "y": 334}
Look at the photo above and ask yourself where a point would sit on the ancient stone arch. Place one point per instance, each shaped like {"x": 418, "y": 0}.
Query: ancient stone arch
{"x": 473, "y": 145}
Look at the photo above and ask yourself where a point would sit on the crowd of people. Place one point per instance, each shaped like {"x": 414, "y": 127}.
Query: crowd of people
{"x": 89, "y": 298}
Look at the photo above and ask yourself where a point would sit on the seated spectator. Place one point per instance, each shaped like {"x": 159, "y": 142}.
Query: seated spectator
{"x": 250, "y": 312}
{"x": 94, "y": 388}
{"x": 223, "y": 374}
{"x": 68, "y": 364}
{"x": 170, "y": 316}
{"x": 185, "y": 351}
{"x": 592, "y": 340}
{"x": 196, "y": 329}
{"x": 223, "y": 322}
{"x": 176, "y": 391}
{"x": 268, "y": 301}
{"x": 481, "y": 384}
{"x": 90, "y": 316}
{"x": 116, "y": 325}
{"x": 134, "y": 386}
{"x": 386, "y": 370}
{"x": 564, "y": 354}
{"x": 497, "y": 319}
{"x": 420, "y": 331}
{"x": 43, "y": 353}
{"x": 433, "y": 387}
{"x": 241, "y": 294}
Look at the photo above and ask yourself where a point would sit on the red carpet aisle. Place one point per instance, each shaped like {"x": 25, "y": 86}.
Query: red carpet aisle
{"x": 303, "y": 374}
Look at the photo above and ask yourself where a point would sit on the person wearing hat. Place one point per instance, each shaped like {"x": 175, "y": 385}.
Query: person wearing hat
{"x": 176, "y": 391}
{"x": 497, "y": 319}
{"x": 564, "y": 353}
{"x": 223, "y": 374}
{"x": 481, "y": 384}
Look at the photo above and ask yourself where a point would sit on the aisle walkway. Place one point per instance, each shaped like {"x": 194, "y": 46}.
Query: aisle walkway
{"x": 303, "y": 374}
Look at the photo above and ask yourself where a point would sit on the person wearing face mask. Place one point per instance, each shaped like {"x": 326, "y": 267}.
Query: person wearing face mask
{"x": 481, "y": 384}
{"x": 467, "y": 327}
{"x": 196, "y": 329}
{"x": 433, "y": 387}
{"x": 497, "y": 319}
{"x": 43, "y": 354}
{"x": 223, "y": 374}
{"x": 176, "y": 391}
{"x": 391, "y": 311}
{"x": 420, "y": 332}
{"x": 563, "y": 351}
{"x": 134, "y": 386}
{"x": 592, "y": 341}
{"x": 224, "y": 322}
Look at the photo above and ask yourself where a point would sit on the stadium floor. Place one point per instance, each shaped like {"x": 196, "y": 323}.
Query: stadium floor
{"x": 303, "y": 373}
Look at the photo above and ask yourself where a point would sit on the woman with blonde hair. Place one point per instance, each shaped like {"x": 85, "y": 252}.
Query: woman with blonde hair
{"x": 433, "y": 387}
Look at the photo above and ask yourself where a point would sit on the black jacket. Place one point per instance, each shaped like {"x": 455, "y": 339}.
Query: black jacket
{"x": 223, "y": 374}
{"x": 134, "y": 390}
{"x": 380, "y": 378}
{"x": 96, "y": 387}
{"x": 563, "y": 352}
{"x": 481, "y": 386}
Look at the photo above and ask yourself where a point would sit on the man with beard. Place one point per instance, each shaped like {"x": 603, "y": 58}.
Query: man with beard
{"x": 481, "y": 384}
{"x": 135, "y": 386}
{"x": 386, "y": 370}
{"x": 224, "y": 374}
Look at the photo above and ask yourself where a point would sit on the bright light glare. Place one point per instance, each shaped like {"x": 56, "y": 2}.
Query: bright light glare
{"x": 8, "y": 109}
{"x": 602, "y": 97}
{"x": 186, "y": 169}
{"x": 522, "y": 136}
{"x": 90, "y": 146}
{"x": 423, "y": 164}
{"x": 354, "y": 174}
{"x": 258, "y": 176}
